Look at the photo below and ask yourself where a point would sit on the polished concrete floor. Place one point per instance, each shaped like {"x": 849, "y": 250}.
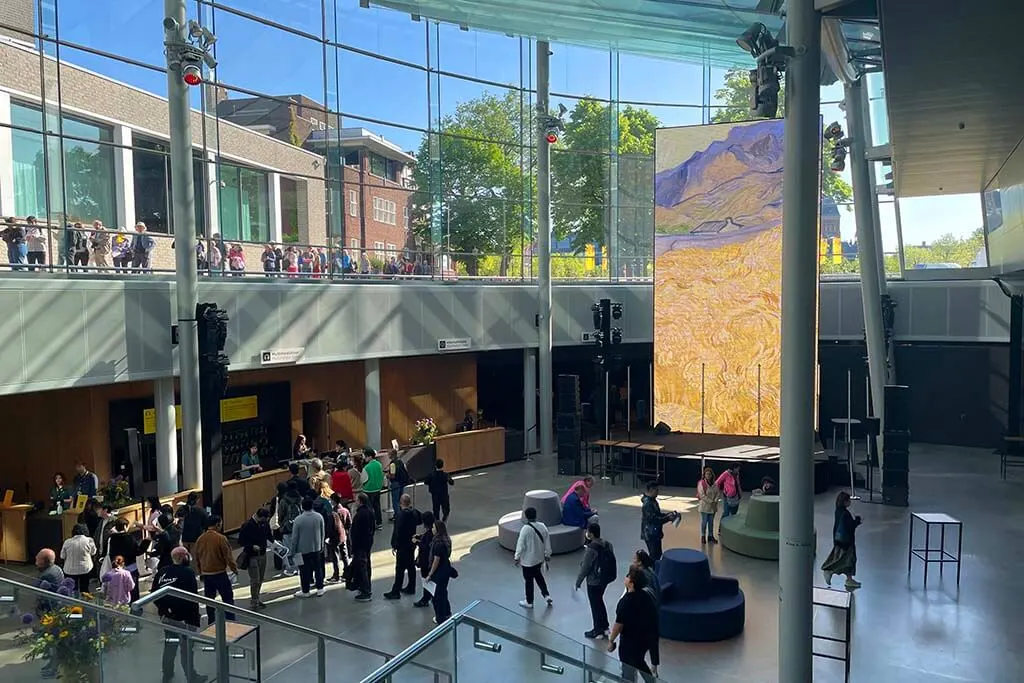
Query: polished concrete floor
{"x": 902, "y": 631}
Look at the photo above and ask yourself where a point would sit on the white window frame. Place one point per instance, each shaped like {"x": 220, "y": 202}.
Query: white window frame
{"x": 385, "y": 211}
{"x": 392, "y": 250}
{"x": 353, "y": 204}
{"x": 313, "y": 122}
{"x": 354, "y": 243}
{"x": 378, "y": 250}
{"x": 406, "y": 211}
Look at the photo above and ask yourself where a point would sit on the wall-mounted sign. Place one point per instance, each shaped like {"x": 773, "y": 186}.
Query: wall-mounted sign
{"x": 281, "y": 356}
{"x": 587, "y": 337}
{"x": 460, "y": 344}
{"x": 231, "y": 410}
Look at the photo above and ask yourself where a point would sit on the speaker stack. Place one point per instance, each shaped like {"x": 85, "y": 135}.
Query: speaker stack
{"x": 896, "y": 447}
{"x": 568, "y": 423}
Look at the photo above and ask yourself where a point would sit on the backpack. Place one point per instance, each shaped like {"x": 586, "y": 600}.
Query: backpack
{"x": 401, "y": 473}
{"x": 605, "y": 564}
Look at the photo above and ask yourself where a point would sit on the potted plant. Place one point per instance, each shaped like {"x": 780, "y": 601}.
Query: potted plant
{"x": 116, "y": 493}
{"x": 424, "y": 431}
{"x": 67, "y": 639}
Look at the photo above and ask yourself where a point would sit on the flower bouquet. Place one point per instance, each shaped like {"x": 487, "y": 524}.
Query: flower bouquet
{"x": 424, "y": 431}
{"x": 68, "y": 639}
{"x": 116, "y": 493}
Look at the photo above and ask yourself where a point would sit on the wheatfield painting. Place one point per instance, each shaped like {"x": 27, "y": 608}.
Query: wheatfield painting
{"x": 718, "y": 277}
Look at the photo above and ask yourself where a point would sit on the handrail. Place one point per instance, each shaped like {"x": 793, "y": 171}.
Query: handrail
{"x": 270, "y": 621}
{"x": 463, "y": 616}
{"x": 92, "y": 606}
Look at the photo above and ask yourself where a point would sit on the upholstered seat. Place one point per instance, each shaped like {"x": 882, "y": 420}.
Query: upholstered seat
{"x": 753, "y": 532}
{"x": 564, "y": 539}
{"x": 696, "y": 606}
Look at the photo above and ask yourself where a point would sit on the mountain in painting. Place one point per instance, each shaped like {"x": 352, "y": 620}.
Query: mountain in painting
{"x": 735, "y": 182}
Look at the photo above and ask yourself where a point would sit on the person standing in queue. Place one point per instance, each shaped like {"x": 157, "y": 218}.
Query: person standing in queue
{"x": 374, "y": 484}
{"x": 363, "y": 528}
{"x": 423, "y": 543}
{"x": 214, "y": 560}
{"x": 441, "y": 571}
{"x": 254, "y": 536}
{"x": 398, "y": 479}
{"x": 404, "y": 548}
{"x": 179, "y": 613}
{"x": 636, "y": 625}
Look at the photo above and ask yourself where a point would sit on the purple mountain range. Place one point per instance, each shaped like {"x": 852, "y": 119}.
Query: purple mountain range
{"x": 757, "y": 147}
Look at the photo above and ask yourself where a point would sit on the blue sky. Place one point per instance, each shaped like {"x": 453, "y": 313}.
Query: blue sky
{"x": 267, "y": 60}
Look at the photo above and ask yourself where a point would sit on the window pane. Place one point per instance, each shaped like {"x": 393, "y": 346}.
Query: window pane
{"x": 152, "y": 193}
{"x": 661, "y": 81}
{"x": 29, "y": 174}
{"x": 488, "y": 56}
{"x": 380, "y": 31}
{"x": 255, "y": 206}
{"x": 229, "y": 203}
{"x": 291, "y": 189}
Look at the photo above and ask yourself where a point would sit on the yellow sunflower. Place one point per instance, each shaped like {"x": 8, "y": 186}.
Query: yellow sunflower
{"x": 64, "y": 634}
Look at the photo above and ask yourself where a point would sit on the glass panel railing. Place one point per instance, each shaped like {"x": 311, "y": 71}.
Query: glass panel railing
{"x": 488, "y": 642}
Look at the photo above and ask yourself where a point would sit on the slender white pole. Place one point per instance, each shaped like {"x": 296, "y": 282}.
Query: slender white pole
{"x": 544, "y": 362}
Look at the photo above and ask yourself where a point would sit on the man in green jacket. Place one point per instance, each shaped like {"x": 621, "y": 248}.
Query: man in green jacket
{"x": 374, "y": 483}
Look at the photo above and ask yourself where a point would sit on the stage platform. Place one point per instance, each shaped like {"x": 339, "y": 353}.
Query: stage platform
{"x": 683, "y": 457}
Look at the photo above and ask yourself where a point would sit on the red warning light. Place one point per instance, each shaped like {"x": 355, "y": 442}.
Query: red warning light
{"x": 192, "y": 75}
{"x": 552, "y": 138}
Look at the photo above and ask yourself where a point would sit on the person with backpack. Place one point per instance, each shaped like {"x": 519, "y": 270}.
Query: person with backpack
{"x": 533, "y": 552}
{"x": 398, "y": 479}
{"x": 337, "y": 545}
{"x": 288, "y": 509}
{"x": 598, "y": 570}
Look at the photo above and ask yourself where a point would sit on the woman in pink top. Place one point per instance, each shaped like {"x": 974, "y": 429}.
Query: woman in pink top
{"x": 118, "y": 583}
{"x": 728, "y": 483}
{"x": 586, "y": 482}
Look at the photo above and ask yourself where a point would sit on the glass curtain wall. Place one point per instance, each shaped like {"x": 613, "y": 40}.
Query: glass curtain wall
{"x": 354, "y": 105}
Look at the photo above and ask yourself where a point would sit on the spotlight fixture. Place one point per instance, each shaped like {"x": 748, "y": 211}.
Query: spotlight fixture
{"x": 757, "y": 40}
{"x": 765, "y": 87}
{"x": 838, "y": 158}
{"x": 616, "y": 335}
{"x": 833, "y": 131}
{"x": 616, "y": 311}
{"x": 596, "y": 310}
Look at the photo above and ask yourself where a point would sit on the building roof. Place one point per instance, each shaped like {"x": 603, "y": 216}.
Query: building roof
{"x": 350, "y": 138}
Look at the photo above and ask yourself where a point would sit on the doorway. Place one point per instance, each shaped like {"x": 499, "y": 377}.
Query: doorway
{"x": 316, "y": 426}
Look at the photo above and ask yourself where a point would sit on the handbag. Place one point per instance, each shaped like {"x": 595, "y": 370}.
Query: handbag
{"x": 243, "y": 560}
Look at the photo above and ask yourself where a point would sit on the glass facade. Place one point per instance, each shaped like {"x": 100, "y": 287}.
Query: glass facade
{"x": 327, "y": 123}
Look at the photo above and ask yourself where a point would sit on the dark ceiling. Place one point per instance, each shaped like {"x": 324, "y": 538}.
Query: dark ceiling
{"x": 955, "y": 90}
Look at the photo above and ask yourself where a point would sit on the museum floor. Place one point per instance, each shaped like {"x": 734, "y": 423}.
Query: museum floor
{"x": 901, "y": 632}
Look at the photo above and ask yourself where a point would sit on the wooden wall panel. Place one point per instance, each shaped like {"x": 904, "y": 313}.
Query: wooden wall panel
{"x": 441, "y": 387}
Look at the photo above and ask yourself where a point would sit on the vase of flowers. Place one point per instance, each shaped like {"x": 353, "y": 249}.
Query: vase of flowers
{"x": 424, "y": 431}
{"x": 68, "y": 639}
{"x": 116, "y": 493}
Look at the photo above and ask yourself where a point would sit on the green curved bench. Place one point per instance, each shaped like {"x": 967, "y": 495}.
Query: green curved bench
{"x": 753, "y": 532}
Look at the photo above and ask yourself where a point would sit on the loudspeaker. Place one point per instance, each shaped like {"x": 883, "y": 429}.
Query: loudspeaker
{"x": 896, "y": 495}
{"x": 569, "y": 455}
{"x": 662, "y": 429}
{"x": 897, "y": 408}
{"x": 899, "y": 479}
{"x": 896, "y": 441}
{"x": 570, "y": 421}
{"x": 894, "y": 459}
{"x": 568, "y": 388}
{"x": 567, "y": 437}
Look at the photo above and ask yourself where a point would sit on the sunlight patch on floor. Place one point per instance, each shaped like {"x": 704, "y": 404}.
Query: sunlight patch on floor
{"x": 668, "y": 503}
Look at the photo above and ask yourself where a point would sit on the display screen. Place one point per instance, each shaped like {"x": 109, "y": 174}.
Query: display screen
{"x": 718, "y": 277}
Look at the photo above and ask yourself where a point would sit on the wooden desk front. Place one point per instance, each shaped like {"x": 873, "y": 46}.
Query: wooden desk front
{"x": 241, "y": 498}
{"x": 469, "y": 450}
{"x": 14, "y": 533}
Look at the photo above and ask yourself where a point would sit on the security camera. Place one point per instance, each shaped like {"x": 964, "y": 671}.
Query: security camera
{"x": 170, "y": 24}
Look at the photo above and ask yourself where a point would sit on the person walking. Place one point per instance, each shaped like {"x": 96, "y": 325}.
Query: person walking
{"x": 533, "y": 552}
{"x": 404, "y": 548}
{"x": 179, "y": 613}
{"x": 598, "y": 570}
{"x": 77, "y": 553}
{"x": 708, "y": 498}
{"x": 423, "y": 543}
{"x": 437, "y": 483}
{"x": 254, "y": 536}
{"x": 214, "y": 560}
{"x": 843, "y": 558}
{"x": 119, "y": 584}
{"x": 642, "y": 561}
{"x": 307, "y": 549}
{"x": 653, "y": 520}
{"x": 441, "y": 571}
{"x": 363, "y": 528}
{"x": 729, "y": 484}
{"x": 374, "y": 484}
{"x": 194, "y": 522}
{"x": 636, "y": 625}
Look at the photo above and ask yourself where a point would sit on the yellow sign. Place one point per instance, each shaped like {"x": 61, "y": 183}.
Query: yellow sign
{"x": 80, "y": 502}
{"x": 238, "y": 409}
{"x": 149, "y": 420}
{"x": 8, "y": 499}
{"x": 231, "y": 410}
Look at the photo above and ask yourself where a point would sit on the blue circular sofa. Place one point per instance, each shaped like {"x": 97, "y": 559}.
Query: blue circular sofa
{"x": 697, "y": 607}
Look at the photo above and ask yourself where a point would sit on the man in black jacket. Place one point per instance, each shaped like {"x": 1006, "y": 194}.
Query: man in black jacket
{"x": 301, "y": 483}
{"x": 254, "y": 537}
{"x": 178, "y": 612}
{"x": 363, "y": 526}
{"x": 165, "y": 541}
{"x": 404, "y": 548}
{"x": 193, "y": 524}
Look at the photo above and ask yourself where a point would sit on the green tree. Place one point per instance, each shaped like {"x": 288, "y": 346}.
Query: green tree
{"x": 479, "y": 177}
{"x": 734, "y": 97}
{"x": 580, "y": 168}
{"x": 293, "y": 131}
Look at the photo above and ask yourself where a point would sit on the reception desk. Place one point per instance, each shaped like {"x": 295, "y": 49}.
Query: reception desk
{"x": 13, "y": 534}
{"x": 469, "y": 450}
{"x": 241, "y": 498}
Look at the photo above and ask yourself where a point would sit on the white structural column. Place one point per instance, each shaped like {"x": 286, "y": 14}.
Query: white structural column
{"x": 371, "y": 369}
{"x": 530, "y": 400}
{"x": 799, "y": 342}
{"x": 867, "y": 245}
{"x": 166, "y": 437}
{"x": 212, "y": 195}
{"x": 124, "y": 176}
{"x": 6, "y": 158}
{"x": 274, "y": 191}
{"x": 544, "y": 334}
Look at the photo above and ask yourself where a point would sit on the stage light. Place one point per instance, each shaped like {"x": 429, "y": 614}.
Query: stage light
{"x": 616, "y": 335}
{"x": 756, "y": 40}
{"x": 833, "y": 131}
{"x": 596, "y": 310}
{"x": 616, "y": 311}
{"x": 838, "y": 165}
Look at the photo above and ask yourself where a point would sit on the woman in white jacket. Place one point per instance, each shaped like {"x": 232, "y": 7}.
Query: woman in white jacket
{"x": 533, "y": 552}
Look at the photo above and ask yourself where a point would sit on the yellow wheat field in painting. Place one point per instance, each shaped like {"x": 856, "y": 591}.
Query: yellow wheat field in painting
{"x": 718, "y": 307}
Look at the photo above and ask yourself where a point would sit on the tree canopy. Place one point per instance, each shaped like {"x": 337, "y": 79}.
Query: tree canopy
{"x": 735, "y": 98}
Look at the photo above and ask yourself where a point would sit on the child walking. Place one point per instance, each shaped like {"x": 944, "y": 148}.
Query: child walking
{"x": 708, "y": 496}
{"x": 843, "y": 558}
{"x": 118, "y": 583}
